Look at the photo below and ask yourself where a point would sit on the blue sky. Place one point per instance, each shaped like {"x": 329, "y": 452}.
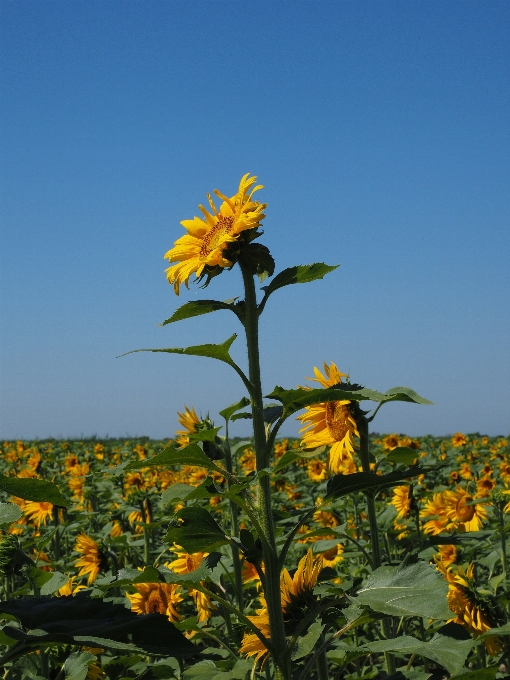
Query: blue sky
{"x": 381, "y": 134}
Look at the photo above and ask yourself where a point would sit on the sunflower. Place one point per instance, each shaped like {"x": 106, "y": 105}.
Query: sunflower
{"x": 92, "y": 560}
{"x": 329, "y": 422}
{"x": 71, "y": 461}
{"x": 504, "y": 471}
{"x": 207, "y": 241}
{"x": 485, "y": 485}
{"x": 70, "y": 588}
{"x": 465, "y": 471}
{"x": 159, "y": 598}
{"x": 38, "y": 512}
{"x": 447, "y": 555}
{"x": 473, "y": 611}
{"x": 331, "y": 557}
{"x": 390, "y": 442}
{"x": 185, "y": 564}
{"x": 463, "y": 515}
{"x": 296, "y": 597}
{"x": 317, "y": 470}
{"x": 435, "y": 512}
{"x": 402, "y": 501}
{"x": 189, "y": 421}
{"x": 459, "y": 439}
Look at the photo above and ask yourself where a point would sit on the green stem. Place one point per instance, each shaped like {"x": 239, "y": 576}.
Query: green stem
{"x": 234, "y": 522}
{"x": 262, "y": 454}
{"x": 322, "y": 662}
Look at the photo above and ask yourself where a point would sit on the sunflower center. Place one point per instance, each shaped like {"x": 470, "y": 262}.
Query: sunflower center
{"x": 337, "y": 420}
{"x": 155, "y": 603}
{"x": 210, "y": 240}
{"x": 465, "y": 512}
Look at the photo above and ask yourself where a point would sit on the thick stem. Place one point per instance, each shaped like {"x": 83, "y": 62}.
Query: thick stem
{"x": 234, "y": 521}
{"x": 322, "y": 662}
{"x": 262, "y": 454}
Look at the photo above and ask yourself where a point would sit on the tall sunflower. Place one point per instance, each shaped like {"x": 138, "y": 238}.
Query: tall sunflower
{"x": 296, "y": 596}
{"x": 330, "y": 423}
{"x": 207, "y": 241}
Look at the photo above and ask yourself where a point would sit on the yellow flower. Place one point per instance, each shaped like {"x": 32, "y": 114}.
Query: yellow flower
{"x": 435, "y": 512}
{"x": 184, "y": 564}
{"x": 317, "y": 470}
{"x": 447, "y": 555}
{"x": 207, "y": 241}
{"x": 466, "y": 517}
{"x": 485, "y": 485}
{"x": 296, "y": 596}
{"x": 329, "y": 422}
{"x": 70, "y": 588}
{"x": 465, "y": 471}
{"x": 38, "y": 512}
{"x": 331, "y": 557}
{"x": 390, "y": 442}
{"x": 189, "y": 420}
{"x": 92, "y": 560}
{"x": 459, "y": 439}
{"x": 160, "y": 598}
{"x": 402, "y": 501}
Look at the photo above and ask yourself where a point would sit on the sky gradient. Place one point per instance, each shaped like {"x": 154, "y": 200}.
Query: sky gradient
{"x": 381, "y": 134}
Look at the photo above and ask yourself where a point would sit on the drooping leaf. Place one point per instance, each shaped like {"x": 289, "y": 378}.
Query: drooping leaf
{"x": 449, "y": 653}
{"x": 293, "y": 455}
{"x": 191, "y": 455}
{"x": 306, "y": 643}
{"x": 299, "y": 274}
{"x": 220, "y": 352}
{"x": 228, "y": 412}
{"x": 404, "y": 394}
{"x": 402, "y": 454}
{"x": 197, "y": 308}
{"x": 84, "y": 621}
{"x": 197, "y": 531}
{"x": 33, "y": 490}
{"x": 341, "y": 485}
{"x": 9, "y": 513}
{"x": 416, "y": 590}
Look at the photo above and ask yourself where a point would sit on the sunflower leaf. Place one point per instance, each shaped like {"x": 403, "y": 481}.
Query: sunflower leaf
{"x": 416, "y": 590}
{"x": 36, "y": 490}
{"x": 341, "y": 485}
{"x": 403, "y": 394}
{"x": 191, "y": 454}
{"x": 9, "y": 513}
{"x": 447, "y": 652}
{"x": 295, "y": 400}
{"x": 76, "y": 665}
{"x": 197, "y": 308}
{"x": 291, "y": 456}
{"x": 198, "y": 531}
{"x": 300, "y": 274}
{"x": 220, "y": 352}
{"x": 402, "y": 454}
{"x": 229, "y": 411}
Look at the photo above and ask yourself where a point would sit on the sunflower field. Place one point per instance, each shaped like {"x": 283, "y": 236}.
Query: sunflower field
{"x": 341, "y": 554}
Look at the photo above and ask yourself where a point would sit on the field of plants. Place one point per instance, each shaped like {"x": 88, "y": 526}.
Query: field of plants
{"x": 117, "y": 525}
{"x": 335, "y": 556}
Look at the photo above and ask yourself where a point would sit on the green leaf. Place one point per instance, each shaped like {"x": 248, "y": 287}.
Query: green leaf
{"x": 295, "y": 400}
{"x": 208, "y": 435}
{"x": 176, "y": 492}
{"x": 416, "y": 590}
{"x": 299, "y": 274}
{"x": 447, "y": 652}
{"x": 33, "y": 490}
{"x": 76, "y": 666}
{"x": 9, "y": 513}
{"x": 479, "y": 674}
{"x": 197, "y": 308}
{"x": 198, "y": 531}
{"x": 341, "y": 485}
{"x": 306, "y": 643}
{"x": 186, "y": 492}
{"x": 220, "y": 352}
{"x": 502, "y": 630}
{"x": 228, "y": 412}
{"x": 191, "y": 454}
{"x": 54, "y": 583}
{"x": 402, "y": 454}
{"x": 291, "y": 456}
{"x": 207, "y": 670}
{"x": 243, "y": 415}
{"x": 404, "y": 394}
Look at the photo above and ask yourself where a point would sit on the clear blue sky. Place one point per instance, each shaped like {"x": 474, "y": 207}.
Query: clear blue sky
{"x": 381, "y": 133}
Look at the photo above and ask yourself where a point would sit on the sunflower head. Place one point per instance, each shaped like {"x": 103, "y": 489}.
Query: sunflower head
{"x": 220, "y": 238}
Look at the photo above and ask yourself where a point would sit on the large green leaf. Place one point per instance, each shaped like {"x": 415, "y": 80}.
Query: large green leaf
{"x": 197, "y": 308}
{"x": 76, "y": 666}
{"x": 306, "y": 643}
{"x": 341, "y": 485}
{"x": 447, "y": 652}
{"x": 191, "y": 455}
{"x": 416, "y": 590}
{"x": 33, "y": 490}
{"x": 404, "y": 394}
{"x": 299, "y": 274}
{"x": 402, "y": 454}
{"x": 9, "y": 513}
{"x": 197, "y": 531}
{"x": 186, "y": 492}
{"x": 207, "y": 670}
{"x": 293, "y": 455}
{"x": 479, "y": 674}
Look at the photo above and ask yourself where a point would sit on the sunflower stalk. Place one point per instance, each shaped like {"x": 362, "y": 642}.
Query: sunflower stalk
{"x": 262, "y": 454}
{"x": 364, "y": 449}
{"x": 234, "y": 521}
